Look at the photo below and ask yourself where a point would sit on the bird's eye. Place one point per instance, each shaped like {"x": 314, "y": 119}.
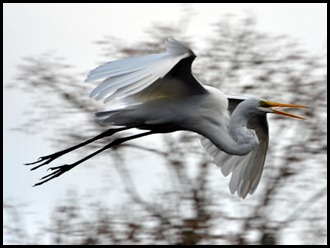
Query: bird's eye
{"x": 264, "y": 104}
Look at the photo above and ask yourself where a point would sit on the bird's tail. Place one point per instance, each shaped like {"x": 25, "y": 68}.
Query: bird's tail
{"x": 123, "y": 117}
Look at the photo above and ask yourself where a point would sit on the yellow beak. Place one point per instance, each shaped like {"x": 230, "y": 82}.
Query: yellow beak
{"x": 284, "y": 105}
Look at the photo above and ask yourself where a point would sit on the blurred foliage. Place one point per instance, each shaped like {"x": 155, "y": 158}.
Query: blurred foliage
{"x": 240, "y": 60}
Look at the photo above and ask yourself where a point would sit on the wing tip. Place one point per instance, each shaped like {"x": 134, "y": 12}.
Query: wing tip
{"x": 174, "y": 46}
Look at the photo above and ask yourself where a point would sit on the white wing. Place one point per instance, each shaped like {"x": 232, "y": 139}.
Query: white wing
{"x": 246, "y": 170}
{"x": 135, "y": 80}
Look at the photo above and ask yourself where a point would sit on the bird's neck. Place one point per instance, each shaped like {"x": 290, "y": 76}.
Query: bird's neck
{"x": 234, "y": 138}
{"x": 237, "y": 127}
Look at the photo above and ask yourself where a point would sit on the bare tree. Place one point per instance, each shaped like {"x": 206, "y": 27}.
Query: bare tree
{"x": 239, "y": 60}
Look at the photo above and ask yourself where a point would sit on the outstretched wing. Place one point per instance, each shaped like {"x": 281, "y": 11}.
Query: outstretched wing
{"x": 246, "y": 170}
{"x": 139, "y": 79}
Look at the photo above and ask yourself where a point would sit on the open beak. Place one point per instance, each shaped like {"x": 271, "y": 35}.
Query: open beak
{"x": 272, "y": 105}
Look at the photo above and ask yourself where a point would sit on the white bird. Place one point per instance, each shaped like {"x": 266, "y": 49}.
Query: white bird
{"x": 159, "y": 93}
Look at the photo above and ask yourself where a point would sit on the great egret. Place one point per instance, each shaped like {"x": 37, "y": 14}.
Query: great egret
{"x": 158, "y": 93}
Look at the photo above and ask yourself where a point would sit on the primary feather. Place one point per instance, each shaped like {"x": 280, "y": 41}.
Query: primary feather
{"x": 130, "y": 76}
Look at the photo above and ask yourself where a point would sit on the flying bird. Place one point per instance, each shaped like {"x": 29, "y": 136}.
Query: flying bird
{"x": 159, "y": 94}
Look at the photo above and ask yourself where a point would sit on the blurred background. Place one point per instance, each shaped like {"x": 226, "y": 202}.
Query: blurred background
{"x": 162, "y": 189}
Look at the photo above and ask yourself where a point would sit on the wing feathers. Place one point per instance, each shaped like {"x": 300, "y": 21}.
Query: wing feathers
{"x": 122, "y": 67}
{"x": 126, "y": 77}
{"x": 246, "y": 170}
{"x": 114, "y": 83}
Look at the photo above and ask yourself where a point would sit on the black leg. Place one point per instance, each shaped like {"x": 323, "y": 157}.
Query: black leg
{"x": 49, "y": 158}
{"x": 59, "y": 170}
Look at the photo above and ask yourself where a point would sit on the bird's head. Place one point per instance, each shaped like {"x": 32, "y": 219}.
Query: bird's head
{"x": 273, "y": 107}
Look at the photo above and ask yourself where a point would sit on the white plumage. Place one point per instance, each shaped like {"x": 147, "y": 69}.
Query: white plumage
{"x": 129, "y": 76}
{"x": 159, "y": 93}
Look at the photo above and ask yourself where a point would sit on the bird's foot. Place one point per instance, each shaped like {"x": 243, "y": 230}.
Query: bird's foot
{"x": 57, "y": 171}
{"x": 44, "y": 160}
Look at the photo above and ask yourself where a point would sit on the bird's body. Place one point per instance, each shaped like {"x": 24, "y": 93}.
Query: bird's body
{"x": 159, "y": 93}
{"x": 170, "y": 113}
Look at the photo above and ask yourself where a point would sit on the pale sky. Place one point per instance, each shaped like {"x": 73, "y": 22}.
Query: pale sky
{"x": 71, "y": 29}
